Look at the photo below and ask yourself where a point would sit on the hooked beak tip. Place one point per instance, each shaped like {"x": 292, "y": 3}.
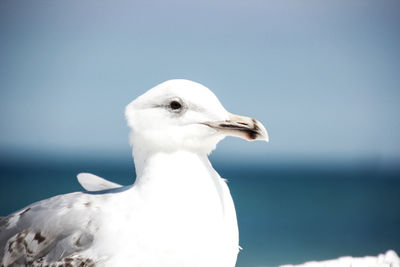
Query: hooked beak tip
{"x": 263, "y": 132}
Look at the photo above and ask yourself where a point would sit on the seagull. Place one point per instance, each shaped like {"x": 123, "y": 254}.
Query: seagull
{"x": 178, "y": 212}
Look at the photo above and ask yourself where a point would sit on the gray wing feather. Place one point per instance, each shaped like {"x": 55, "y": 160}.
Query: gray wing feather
{"x": 50, "y": 231}
{"x": 93, "y": 182}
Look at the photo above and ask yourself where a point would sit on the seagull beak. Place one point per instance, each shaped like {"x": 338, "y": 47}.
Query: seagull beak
{"x": 241, "y": 126}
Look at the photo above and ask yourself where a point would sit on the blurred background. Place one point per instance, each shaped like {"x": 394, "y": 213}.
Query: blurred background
{"x": 322, "y": 76}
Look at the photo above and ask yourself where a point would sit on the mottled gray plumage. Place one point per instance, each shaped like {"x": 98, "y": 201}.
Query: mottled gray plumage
{"x": 26, "y": 239}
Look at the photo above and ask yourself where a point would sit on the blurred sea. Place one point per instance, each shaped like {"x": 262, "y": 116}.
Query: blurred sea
{"x": 286, "y": 214}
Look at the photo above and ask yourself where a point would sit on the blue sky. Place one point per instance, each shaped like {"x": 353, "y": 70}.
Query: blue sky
{"x": 323, "y": 76}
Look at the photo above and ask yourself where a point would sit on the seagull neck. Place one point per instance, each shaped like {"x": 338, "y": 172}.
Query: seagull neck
{"x": 172, "y": 164}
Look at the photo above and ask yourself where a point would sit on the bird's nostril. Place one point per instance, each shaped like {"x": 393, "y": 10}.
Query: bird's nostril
{"x": 243, "y": 123}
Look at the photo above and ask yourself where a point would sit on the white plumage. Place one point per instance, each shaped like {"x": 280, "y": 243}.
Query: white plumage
{"x": 179, "y": 212}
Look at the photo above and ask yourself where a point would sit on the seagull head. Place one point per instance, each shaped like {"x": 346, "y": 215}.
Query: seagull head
{"x": 181, "y": 114}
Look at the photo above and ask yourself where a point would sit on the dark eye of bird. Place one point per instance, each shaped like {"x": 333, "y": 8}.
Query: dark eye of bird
{"x": 175, "y": 105}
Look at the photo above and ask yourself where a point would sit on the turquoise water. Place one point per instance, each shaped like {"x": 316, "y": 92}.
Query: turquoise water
{"x": 286, "y": 214}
